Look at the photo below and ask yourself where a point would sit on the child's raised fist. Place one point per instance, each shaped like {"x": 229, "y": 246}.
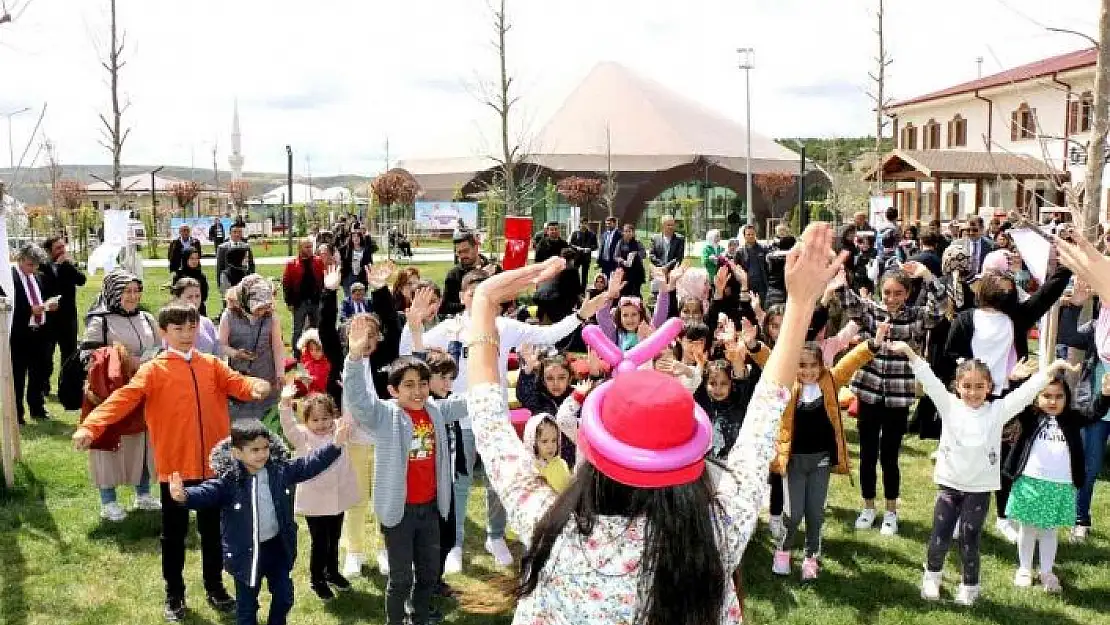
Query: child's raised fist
{"x": 342, "y": 432}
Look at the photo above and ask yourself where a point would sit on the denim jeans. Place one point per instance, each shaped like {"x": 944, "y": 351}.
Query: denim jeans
{"x": 108, "y": 495}
{"x": 412, "y": 547}
{"x": 495, "y": 512}
{"x": 1094, "y": 450}
{"x": 273, "y": 565}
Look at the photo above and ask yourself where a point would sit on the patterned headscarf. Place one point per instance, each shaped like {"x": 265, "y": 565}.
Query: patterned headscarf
{"x": 956, "y": 261}
{"x": 110, "y": 299}
{"x": 255, "y": 291}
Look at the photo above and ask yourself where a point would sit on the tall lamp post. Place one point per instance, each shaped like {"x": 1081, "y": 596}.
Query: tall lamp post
{"x": 289, "y": 206}
{"x": 11, "y": 151}
{"x": 154, "y": 206}
{"x": 747, "y": 62}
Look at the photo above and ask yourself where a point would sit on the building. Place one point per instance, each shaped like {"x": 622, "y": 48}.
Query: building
{"x": 137, "y": 195}
{"x": 1008, "y": 141}
{"x": 236, "y": 159}
{"x": 663, "y": 147}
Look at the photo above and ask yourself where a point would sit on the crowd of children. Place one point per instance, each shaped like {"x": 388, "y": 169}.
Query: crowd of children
{"x": 639, "y": 465}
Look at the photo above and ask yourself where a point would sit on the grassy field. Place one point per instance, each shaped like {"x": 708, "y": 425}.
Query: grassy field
{"x": 60, "y": 564}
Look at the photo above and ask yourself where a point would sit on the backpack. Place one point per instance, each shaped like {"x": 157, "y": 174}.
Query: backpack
{"x": 71, "y": 379}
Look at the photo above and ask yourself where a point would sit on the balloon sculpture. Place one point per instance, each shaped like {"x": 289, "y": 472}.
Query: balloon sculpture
{"x": 600, "y": 441}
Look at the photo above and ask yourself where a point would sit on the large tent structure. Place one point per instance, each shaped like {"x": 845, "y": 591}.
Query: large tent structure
{"x": 651, "y": 137}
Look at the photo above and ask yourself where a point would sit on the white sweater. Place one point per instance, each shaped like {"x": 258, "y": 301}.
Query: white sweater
{"x": 969, "y": 456}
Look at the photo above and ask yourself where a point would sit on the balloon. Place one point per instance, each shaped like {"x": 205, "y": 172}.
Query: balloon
{"x": 595, "y": 338}
{"x": 657, "y": 342}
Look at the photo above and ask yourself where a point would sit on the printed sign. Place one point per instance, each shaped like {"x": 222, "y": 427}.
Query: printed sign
{"x": 446, "y": 215}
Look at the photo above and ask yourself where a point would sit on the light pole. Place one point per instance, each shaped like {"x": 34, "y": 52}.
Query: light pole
{"x": 11, "y": 152}
{"x": 289, "y": 206}
{"x": 747, "y": 62}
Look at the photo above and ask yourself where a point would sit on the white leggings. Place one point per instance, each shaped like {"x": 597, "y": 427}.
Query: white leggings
{"x": 1028, "y": 537}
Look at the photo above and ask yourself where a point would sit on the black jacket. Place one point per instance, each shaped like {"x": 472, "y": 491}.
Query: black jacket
{"x": 1071, "y": 421}
{"x": 674, "y": 254}
{"x": 548, "y": 247}
{"x": 381, "y": 302}
{"x": 21, "y": 315}
{"x": 177, "y": 252}
{"x": 347, "y": 252}
{"x": 451, "y": 303}
{"x": 61, "y": 280}
{"x": 726, "y": 416}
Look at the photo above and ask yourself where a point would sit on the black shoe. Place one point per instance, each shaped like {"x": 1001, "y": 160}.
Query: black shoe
{"x": 221, "y": 601}
{"x": 175, "y": 609}
{"x": 340, "y": 582}
{"x": 323, "y": 591}
{"x": 42, "y": 416}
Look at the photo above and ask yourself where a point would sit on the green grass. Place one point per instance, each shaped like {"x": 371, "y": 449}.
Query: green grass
{"x": 60, "y": 564}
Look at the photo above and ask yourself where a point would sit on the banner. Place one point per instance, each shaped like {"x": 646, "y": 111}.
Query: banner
{"x": 446, "y": 215}
{"x": 199, "y": 227}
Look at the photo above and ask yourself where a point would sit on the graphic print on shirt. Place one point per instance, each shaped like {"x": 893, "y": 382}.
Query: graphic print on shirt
{"x": 423, "y": 442}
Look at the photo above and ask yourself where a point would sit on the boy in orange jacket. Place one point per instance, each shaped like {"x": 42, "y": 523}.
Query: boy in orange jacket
{"x": 185, "y": 394}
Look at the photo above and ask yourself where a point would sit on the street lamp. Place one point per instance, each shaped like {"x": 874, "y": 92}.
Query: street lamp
{"x": 289, "y": 206}
{"x": 747, "y": 62}
{"x": 11, "y": 152}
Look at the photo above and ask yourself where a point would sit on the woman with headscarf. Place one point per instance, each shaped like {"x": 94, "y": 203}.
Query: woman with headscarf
{"x": 191, "y": 268}
{"x": 711, "y": 251}
{"x": 115, "y": 320}
{"x": 251, "y": 336}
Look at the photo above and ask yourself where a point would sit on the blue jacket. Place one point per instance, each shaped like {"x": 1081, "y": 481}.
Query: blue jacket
{"x": 348, "y": 309}
{"x": 234, "y": 492}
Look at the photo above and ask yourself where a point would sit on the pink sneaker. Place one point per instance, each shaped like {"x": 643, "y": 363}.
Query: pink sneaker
{"x": 809, "y": 569}
{"x": 781, "y": 563}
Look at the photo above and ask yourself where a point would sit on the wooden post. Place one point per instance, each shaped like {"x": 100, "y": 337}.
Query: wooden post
{"x": 9, "y": 429}
{"x": 936, "y": 196}
{"x": 978, "y": 195}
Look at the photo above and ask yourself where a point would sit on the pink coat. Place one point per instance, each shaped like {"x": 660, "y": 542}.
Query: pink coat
{"x": 333, "y": 491}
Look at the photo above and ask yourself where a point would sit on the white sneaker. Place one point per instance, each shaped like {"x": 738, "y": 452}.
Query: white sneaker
{"x": 866, "y": 519}
{"x": 1079, "y": 533}
{"x": 499, "y": 549}
{"x": 777, "y": 527}
{"x": 352, "y": 565}
{"x": 1007, "y": 529}
{"x": 966, "y": 595}
{"x": 113, "y": 512}
{"x": 146, "y": 502}
{"x": 890, "y": 524}
{"x": 1023, "y": 578}
{"x": 930, "y": 585}
{"x": 383, "y": 562}
{"x": 454, "y": 561}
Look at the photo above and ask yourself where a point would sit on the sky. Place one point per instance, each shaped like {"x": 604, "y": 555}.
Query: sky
{"x": 335, "y": 78}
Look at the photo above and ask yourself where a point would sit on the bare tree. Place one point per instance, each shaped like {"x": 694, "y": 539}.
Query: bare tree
{"x": 1096, "y": 151}
{"x": 609, "y": 191}
{"x": 879, "y": 96}
{"x": 114, "y": 133}
{"x": 501, "y": 99}
{"x": 8, "y": 15}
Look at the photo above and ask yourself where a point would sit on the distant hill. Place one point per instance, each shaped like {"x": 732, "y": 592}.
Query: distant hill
{"x": 841, "y": 153}
{"x": 33, "y": 186}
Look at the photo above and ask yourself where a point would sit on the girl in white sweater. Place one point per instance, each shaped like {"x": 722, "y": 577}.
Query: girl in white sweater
{"x": 968, "y": 460}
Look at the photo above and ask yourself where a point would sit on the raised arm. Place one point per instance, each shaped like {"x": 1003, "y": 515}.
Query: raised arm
{"x": 359, "y": 398}
{"x": 934, "y": 388}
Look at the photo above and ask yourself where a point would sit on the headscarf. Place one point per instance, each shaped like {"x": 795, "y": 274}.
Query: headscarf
{"x": 255, "y": 291}
{"x": 713, "y": 237}
{"x": 110, "y": 300}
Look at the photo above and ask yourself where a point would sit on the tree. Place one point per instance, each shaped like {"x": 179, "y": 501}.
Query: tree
{"x": 114, "y": 133}
{"x": 1096, "y": 151}
{"x": 879, "y": 97}
{"x": 609, "y": 193}
{"x": 774, "y": 186}
{"x": 185, "y": 192}
{"x": 394, "y": 188}
{"x": 69, "y": 194}
{"x": 239, "y": 190}
{"x": 580, "y": 192}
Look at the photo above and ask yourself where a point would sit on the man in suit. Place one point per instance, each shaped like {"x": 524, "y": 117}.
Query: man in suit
{"x": 584, "y": 241}
{"x": 216, "y": 232}
{"x": 355, "y": 304}
{"x": 607, "y": 251}
{"x": 236, "y": 241}
{"x": 31, "y": 347}
{"x": 668, "y": 248}
{"x": 753, "y": 258}
{"x": 61, "y": 277}
{"x": 180, "y": 246}
{"x": 552, "y": 243}
{"x": 978, "y": 245}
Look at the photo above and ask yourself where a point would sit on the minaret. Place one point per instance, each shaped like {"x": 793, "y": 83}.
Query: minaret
{"x": 236, "y": 158}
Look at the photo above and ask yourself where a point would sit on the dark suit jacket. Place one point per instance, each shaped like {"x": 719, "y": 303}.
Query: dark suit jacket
{"x": 176, "y": 254}
{"x": 547, "y": 247}
{"x": 659, "y": 250}
{"x": 61, "y": 280}
{"x": 986, "y": 246}
{"x": 21, "y": 315}
{"x": 610, "y": 239}
{"x": 586, "y": 242}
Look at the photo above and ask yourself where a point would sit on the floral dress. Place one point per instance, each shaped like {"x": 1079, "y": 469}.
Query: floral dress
{"x": 594, "y": 579}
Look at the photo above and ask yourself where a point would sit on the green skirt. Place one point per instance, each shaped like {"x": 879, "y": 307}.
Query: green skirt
{"x": 1041, "y": 503}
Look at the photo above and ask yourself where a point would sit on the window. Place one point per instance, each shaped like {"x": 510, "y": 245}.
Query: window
{"x": 908, "y": 140}
{"x": 1081, "y": 113}
{"x": 1023, "y": 123}
{"x": 957, "y": 132}
{"x": 930, "y": 135}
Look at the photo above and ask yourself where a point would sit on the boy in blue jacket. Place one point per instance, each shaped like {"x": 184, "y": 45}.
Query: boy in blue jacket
{"x": 254, "y": 491}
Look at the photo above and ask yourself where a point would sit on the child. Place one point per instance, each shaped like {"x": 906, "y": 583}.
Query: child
{"x": 968, "y": 462}
{"x": 632, "y": 318}
{"x": 724, "y": 396}
{"x": 542, "y": 437}
{"x": 188, "y": 291}
{"x": 325, "y": 498}
{"x": 671, "y": 361}
{"x": 543, "y": 385}
{"x": 444, "y": 370}
{"x": 313, "y": 360}
{"x": 412, "y": 469}
{"x": 811, "y": 445}
{"x": 186, "y": 398}
{"x": 1047, "y": 464}
{"x": 258, "y": 532}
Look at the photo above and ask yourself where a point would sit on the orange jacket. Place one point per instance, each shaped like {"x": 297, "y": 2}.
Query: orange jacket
{"x": 186, "y": 410}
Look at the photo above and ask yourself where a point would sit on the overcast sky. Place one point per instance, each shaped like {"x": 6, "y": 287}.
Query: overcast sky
{"x": 334, "y": 78}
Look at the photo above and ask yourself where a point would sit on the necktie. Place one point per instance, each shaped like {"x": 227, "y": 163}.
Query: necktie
{"x": 33, "y": 296}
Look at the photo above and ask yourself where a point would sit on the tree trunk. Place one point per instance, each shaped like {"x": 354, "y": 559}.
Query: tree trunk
{"x": 509, "y": 162}
{"x": 1096, "y": 150}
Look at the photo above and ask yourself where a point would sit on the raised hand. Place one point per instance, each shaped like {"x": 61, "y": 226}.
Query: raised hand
{"x": 1060, "y": 366}
{"x": 720, "y": 281}
{"x": 332, "y": 278}
{"x": 644, "y": 330}
{"x": 591, "y": 306}
{"x": 378, "y": 275}
{"x": 917, "y": 270}
{"x": 506, "y": 285}
{"x": 726, "y": 330}
{"x": 1024, "y": 368}
{"x": 423, "y": 306}
{"x": 882, "y": 331}
{"x": 616, "y": 283}
{"x": 584, "y": 387}
{"x": 1081, "y": 257}
{"x": 736, "y": 353}
{"x": 342, "y": 432}
{"x": 748, "y": 333}
{"x": 757, "y": 308}
{"x": 358, "y": 337}
{"x": 903, "y": 348}
{"x": 811, "y": 263}
{"x": 177, "y": 488}
{"x": 530, "y": 357}
{"x": 659, "y": 274}
{"x": 676, "y": 275}
{"x": 288, "y": 392}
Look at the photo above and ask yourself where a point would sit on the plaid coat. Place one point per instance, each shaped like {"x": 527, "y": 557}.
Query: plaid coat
{"x": 888, "y": 380}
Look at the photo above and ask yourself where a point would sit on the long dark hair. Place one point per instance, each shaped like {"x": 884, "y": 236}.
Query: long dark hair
{"x": 682, "y": 577}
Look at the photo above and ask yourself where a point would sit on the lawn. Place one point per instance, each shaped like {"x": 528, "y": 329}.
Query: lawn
{"x": 60, "y": 564}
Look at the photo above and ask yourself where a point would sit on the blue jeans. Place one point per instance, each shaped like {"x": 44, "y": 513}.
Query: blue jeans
{"x": 1094, "y": 450}
{"x": 108, "y": 495}
{"x": 273, "y": 565}
{"x": 495, "y": 512}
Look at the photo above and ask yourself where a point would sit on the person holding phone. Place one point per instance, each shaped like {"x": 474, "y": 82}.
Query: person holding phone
{"x": 251, "y": 336}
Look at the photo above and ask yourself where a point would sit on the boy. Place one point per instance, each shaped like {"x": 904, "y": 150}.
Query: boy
{"x": 444, "y": 370}
{"x": 254, "y": 496}
{"x": 185, "y": 394}
{"x": 412, "y": 469}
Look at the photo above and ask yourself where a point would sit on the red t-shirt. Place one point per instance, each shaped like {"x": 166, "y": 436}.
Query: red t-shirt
{"x": 421, "y": 479}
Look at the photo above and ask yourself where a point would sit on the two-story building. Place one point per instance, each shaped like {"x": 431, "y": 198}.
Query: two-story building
{"x": 1002, "y": 142}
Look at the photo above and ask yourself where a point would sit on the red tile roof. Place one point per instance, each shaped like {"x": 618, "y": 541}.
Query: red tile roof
{"x": 1037, "y": 69}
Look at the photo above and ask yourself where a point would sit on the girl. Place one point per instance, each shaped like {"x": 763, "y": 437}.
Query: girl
{"x": 188, "y": 291}
{"x": 404, "y": 287}
{"x": 544, "y": 384}
{"x": 314, "y": 361}
{"x": 637, "y": 544}
{"x": 885, "y": 387}
{"x": 632, "y": 319}
{"x": 811, "y": 444}
{"x": 601, "y": 285}
{"x": 192, "y": 269}
{"x": 968, "y": 461}
{"x": 542, "y": 438}
{"x": 251, "y": 336}
{"x": 724, "y": 396}
{"x": 323, "y": 499}
{"x": 1047, "y": 466}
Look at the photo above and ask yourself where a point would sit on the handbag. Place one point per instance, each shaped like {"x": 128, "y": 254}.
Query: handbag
{"x": 71, "y": 379}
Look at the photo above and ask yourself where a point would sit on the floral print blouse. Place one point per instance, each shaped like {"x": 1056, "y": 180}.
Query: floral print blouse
{"x": 594, "y": 579}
